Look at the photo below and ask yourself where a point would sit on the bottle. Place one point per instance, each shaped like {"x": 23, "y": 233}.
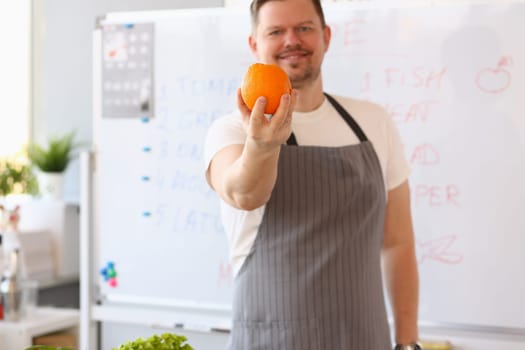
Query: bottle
{"x": 10, "y": 290}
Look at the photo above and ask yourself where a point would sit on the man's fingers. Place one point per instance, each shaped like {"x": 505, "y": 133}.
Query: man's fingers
{"x": 292, "y": 103}
{"x": 291, "y": 107}
{"x": 257, "y": 114}
{"x": 283, "y": 114}
{"x": 245, "y": 111}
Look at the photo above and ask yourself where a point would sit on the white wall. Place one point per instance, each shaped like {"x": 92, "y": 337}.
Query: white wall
{"x": 62, "y": 50}
{"x": 14, "y": 85}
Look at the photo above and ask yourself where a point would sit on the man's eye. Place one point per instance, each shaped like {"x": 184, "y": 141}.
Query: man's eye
{"x": 305, "y": 29}
{"x": 275, "y": 32}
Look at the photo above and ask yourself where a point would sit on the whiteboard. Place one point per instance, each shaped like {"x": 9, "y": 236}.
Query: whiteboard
{"x": 451, "y": 76}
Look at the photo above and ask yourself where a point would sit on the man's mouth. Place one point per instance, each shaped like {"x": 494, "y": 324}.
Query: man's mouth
{"x": 293, "y": 55}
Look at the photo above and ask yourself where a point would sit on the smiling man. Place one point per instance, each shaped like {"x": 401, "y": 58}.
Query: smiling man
{"x": 313, "y": 200}
{"x": 283, "y": 35}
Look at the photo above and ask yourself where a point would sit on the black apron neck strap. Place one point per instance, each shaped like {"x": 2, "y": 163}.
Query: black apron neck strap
{"x": 291, "y": 140}
{"x": 346, "y": 116}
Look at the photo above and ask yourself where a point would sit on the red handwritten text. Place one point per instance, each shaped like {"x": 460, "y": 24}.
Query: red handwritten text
{"x": 406, "y": 113}
{"x": 436, "y": 195}
{"x": 438, "y": 249}
{"x": 424, "y": 154}
{"x": 224, "y": 277}
{"x": 353, "y": 32}
{"x": 350, "y": 32}
{"x": 394, "y": 77}
{"x": 418, "y": 77}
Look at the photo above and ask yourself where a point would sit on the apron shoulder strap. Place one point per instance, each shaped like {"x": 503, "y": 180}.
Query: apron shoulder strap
{"x": 346, "y": 116}
{"x": 291, "y": 140}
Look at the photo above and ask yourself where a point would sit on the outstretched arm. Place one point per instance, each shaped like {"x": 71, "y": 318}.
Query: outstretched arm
{"x": 244, "y": 175}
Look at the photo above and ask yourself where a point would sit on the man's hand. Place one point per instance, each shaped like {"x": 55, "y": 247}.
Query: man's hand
{"x": 265, "y": 133}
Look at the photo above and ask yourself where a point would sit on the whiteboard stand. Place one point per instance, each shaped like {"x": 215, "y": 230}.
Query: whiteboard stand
{"x": 88, "y": 327}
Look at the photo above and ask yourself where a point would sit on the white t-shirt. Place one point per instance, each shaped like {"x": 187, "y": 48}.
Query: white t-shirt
{"x": 321, "y": 127}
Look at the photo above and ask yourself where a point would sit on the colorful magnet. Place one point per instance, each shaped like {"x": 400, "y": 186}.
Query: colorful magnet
{"x": 110, "y": 274}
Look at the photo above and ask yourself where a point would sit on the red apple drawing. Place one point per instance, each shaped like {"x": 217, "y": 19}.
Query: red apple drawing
{"x": 493, "y": 80}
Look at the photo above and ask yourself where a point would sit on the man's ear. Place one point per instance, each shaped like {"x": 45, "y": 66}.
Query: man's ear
{"x": 327, "y": 36}
{"x": 253, "y": 46}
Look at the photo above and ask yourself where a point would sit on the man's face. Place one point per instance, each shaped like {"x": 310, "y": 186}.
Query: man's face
{"x": 290, "y": 34}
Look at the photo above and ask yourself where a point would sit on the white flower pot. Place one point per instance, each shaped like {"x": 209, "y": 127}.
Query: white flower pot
{"x": 51, "y": 185}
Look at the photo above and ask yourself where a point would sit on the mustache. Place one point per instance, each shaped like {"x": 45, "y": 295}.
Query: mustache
{"x": 294, "y": 49}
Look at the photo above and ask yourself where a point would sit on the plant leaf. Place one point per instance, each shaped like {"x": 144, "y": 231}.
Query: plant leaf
{"x": 166, "y": 341}
{"x": 57, "y": 155}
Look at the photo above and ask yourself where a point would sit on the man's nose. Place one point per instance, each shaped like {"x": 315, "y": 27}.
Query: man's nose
{"x": 292, "y": 38}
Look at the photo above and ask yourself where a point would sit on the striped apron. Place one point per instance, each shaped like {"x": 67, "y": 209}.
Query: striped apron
{"x": 313, "y": 277}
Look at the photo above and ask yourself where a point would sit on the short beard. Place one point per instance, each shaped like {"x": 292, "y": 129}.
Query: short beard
{"x": 309, "y": 75}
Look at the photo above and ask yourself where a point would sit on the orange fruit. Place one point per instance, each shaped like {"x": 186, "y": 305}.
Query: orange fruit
{"x": 268, "y": 80}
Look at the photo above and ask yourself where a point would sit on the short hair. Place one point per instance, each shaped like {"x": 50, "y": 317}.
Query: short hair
{"x": 256, "y": 5}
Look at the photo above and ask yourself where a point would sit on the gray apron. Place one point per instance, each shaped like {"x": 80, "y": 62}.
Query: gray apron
{"x": 313, "y": 277}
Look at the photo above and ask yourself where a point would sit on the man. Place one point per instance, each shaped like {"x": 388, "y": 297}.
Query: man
{"x": 312, "y": 204}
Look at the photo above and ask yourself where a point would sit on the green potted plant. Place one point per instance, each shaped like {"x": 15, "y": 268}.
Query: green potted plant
{"x": 166, "y": 341}
{"x": 52, "y": 161}
{"x": 16, "y": 177}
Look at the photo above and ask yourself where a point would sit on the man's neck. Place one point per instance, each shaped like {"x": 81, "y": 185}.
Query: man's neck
{"x": 310, "y": 97}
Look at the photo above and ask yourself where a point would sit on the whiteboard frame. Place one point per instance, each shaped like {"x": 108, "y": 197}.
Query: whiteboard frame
{"x": 176, "y": 314}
